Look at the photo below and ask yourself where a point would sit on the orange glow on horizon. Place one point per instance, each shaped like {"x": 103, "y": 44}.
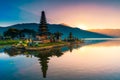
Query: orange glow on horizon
{"x": 82, "y": 26}
{"x": 92, "y": 16}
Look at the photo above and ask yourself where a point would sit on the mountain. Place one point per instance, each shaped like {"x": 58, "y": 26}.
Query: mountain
{"x": 57, "y": 27}
{"x": 109, "y": 32}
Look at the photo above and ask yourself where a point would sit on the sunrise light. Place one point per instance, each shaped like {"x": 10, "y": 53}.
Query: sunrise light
{"x": 82, "y": 26}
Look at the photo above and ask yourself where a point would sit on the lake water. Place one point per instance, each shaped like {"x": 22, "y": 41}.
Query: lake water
{"x": 97, "y": 61}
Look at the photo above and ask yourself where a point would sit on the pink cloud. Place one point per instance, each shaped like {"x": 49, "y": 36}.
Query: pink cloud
{"x": 92, "y": 15}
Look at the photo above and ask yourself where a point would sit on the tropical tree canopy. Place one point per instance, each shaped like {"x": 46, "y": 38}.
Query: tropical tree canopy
{"x": 58, "y": 35}
{"x": 28, "y": 31}
{"x": 12, "y": 32}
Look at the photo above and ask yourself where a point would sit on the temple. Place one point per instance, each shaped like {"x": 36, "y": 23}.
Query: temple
{"x": 43, "y": 32}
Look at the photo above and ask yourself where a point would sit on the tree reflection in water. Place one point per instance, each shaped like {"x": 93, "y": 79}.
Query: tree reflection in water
{"x": 42, "y": 55}
{"x": 72, "y": 46}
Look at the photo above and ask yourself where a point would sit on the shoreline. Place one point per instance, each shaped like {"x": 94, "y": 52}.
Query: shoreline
{"x": 44, "y": 48}
{"x": 53, "y": 45}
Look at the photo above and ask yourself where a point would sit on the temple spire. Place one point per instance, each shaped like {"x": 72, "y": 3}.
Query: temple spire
{"x": 43, "y": 18}
{"x": 43, "y": 29}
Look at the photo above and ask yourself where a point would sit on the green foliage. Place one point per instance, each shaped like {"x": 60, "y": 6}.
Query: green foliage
{"x": 12, "y": 32}
{"x": 58, "y": 35}
{"x": 70, "y": 35}
{"x": 27, "y": 31}
{"x": 8, "y": 42}
{"x": 51, "y": 44}
{"x": 46, "y": 44}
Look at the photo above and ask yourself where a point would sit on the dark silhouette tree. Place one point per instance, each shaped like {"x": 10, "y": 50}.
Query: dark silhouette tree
{"x": 70, "y": 37}
{"x": 52, "y": 38}
{"x": 58, "y": 35}
{"x": 27, "y": 31}
{"x": 12, "y": 32}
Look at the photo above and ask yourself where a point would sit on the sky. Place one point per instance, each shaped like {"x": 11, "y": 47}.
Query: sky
{"x": 84, "y": 14}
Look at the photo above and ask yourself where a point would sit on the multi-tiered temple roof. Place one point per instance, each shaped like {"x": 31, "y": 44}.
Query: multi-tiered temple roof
{"x": 43, "y": 29}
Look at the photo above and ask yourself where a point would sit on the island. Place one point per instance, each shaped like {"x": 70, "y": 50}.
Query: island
{"x": 41, "y": 40}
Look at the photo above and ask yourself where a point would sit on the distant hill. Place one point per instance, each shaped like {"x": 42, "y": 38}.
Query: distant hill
{"x": 109, "y": 32}
{"x": 57, "y": 27}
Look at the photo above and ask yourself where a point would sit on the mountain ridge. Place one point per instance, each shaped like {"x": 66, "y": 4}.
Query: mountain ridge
{"x": 57, "y": 27}
{"x": 110, "y": 32}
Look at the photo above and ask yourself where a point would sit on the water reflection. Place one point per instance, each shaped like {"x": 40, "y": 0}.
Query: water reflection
{"x": 107, "y": 43}
{"x": 43, "y": 56}
{"x": 72, "y": 46}
{"x": 78, "y": 61}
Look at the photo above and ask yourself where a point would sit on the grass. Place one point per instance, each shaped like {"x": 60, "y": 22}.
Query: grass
{"x": 11, "y": 42}
{"x": 1, "y": 47}
{"x": 50, "y": 44}
{"x": 8, "y": 42}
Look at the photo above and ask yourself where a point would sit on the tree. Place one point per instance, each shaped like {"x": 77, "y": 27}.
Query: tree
{"x": 28, "y": 32}
{"x": 52, "y": 38}
{"x": 58, "y": 35}
{"x": 12, "y": 32}
{"x": 70, "y": 37}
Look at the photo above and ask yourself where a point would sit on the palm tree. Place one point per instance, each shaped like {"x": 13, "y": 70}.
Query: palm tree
{"x": 58, "y": 35}
{"x": 52, "y": 38}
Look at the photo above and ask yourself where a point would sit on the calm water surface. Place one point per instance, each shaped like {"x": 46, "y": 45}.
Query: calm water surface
{"x": 100, "y": 61}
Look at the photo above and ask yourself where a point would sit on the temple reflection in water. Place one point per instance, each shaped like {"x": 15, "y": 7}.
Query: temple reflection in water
{"x": 43, "y": 56}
